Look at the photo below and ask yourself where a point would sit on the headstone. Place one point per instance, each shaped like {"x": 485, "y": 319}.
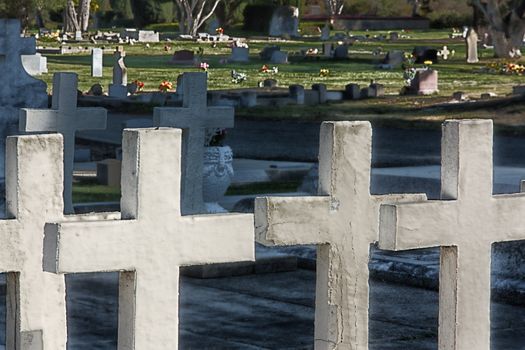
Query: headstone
{"x": 34, "y": 64}
{"x": 97, "y": 62}
{"x": 285, "y": 21}
{"x": 425, "y": 82}
{"x": 78, "y": 35}
{"x": 423, "y": 54}
{"x": 130, "y": 33}
{"x": 459, "y": 96}
{"x": 194, "y": 117}
{"x": 64, "y": 118}
{"x": 109, "y": 172}
{"x": 376, "y": 90}
{"x": 394, "y": 58}
{"x": 343, "y": 222}
{"x": 151, "y": 241}
{"x": 465, "y": 224}
{"x": 183, "y": 57}
{"x": 472, "y": 46}
{"x": 148, "y": 36}
{"x": 352, "y": 92}
{"x": 279, "y": 57}
{"x": 248, "y": 99}
{"x": 321, "y": 91}
{"x": 213, "y": 25}
{"x": 297, "y": 93}
{"x": 240, "y": 54}
{"x": 270, "y": 83}
{"x": 19, "y": 89}
{"x": 341, "y": 52}
{"x": 394, "y": 36}
{"x": 119, "y": 87}
{"x": 325, "y": 32}
{"x": 327, "y": 50}
{"x": 267, "y": 52}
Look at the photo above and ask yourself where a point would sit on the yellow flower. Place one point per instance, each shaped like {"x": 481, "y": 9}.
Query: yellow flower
{"x": 427, "y": 62}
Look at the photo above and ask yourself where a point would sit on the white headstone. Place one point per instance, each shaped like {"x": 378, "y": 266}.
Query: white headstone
{"x": 465, "y": 224}
{"x": 148, "y": 36}
{"x": 78, "y": 35}
{"x": 444, "y": 53}
{"x": 34, "y": 64}
{"x": 150, "y": 242}
{"x": 65, "y": 118}
{"x": 194, "y": 117}
{"x": 97, "y": 62}
{"x": 36, "y": 304}
{"x": 343, "y": 222}
{"x": 119, "y": 87}
{"x": 472, "y": 46}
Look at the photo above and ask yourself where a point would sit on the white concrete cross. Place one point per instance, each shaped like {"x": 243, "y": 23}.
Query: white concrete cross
{"x": 465, "y": 224}
{"x": 444, "y": 52}
{"x": 194, "y": 118}
{"x": 343, "y": 221}
{"x": 65, "y": 118}
{"x": 35, "y": 299}
{"x": 150, "y": 242}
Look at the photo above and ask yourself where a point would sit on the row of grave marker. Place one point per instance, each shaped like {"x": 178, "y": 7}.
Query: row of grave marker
{"x": 344, "y": 220}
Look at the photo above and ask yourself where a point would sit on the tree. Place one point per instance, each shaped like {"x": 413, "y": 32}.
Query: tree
{"x": 334, "y": 7}
{"x": 193, "y": 14}
{"x": 506, "y": 23}
{"x": 226, "y": 11}
{"x": 77, "y": 20}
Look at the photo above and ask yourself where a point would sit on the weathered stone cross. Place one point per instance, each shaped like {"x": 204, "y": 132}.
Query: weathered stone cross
{"x": 64, "y": 118}
{"x": 35, "y": 299}
{"x": 194, "y": 118}
{"x": 150, "y": 242}
{"x": 465, "y": 223}
{"x": 344, "y": 222}
{"x": 444, "y": 52}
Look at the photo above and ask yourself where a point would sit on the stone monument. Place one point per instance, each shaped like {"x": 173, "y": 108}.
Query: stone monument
{"x": 119, "y": 87}
{"x": 472, "y": 46}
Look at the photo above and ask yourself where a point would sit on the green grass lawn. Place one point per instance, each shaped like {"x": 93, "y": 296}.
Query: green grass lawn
{"x": 151, "y": 66}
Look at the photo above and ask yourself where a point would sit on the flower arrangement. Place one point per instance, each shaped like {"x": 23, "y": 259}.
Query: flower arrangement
{"x": 215, "y": 137}
{"x": 165, "y": 86}
{"x": 323, "y": 72}
{"x": 508, "y": 68}
{"x": 140, "y": 84}
{"x": 266, "y": 69}
{"x": 204, "y": 66}
{"x": 238, "y": 77}
{"x": 219, "y": 31}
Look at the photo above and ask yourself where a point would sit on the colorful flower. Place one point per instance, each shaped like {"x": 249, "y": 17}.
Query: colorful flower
{"x": 204, "y": 66}
{"x": 140, "y": 84}
{"x": 165, "y": 86}
{"x": 323, "y": 72}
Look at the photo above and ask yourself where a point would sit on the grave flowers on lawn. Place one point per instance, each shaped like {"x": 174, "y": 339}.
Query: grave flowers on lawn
{"x": 204, "y": 66}
{"x": 238, "y": 77}
{"x": 509, "y": 68}
{"x": 267, "y": 69}
{"x": 165, "y": 86}
{"x": 139, "y": 84}
{"x": 323, "y": 72}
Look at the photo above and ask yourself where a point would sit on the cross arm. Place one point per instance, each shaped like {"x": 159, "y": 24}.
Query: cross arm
{"x": 417, "y": 225}
{"x": 508, "y": 217}
{"x": 38, "y": 120}
{"x": 91, "y": 118}
{"x": 292, "y": 220}
{"x": 216, "y": 238}
{"x": 74, "y": 247}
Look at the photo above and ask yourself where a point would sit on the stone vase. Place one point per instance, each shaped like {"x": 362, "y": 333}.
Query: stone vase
{"x": 217, "y": 176}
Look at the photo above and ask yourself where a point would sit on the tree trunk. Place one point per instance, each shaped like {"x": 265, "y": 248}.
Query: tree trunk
{"x": 70, "y": 18}
{"x": 84, "y": 14}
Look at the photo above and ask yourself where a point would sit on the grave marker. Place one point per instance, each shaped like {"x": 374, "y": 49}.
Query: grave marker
{"x": 194, "y": 118}
{"x": 151, "y": 241}
{"x": 472, "y": 46}
{"x": 240, "y": 54}
{"x": 97, "y": 62}
{"x": 35, "y": 299}
{"x": 119, "y": 88}
{"x": 465, "y": 224}
{"x": 343, "y": 222}
{"x": 65, "y": 118}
